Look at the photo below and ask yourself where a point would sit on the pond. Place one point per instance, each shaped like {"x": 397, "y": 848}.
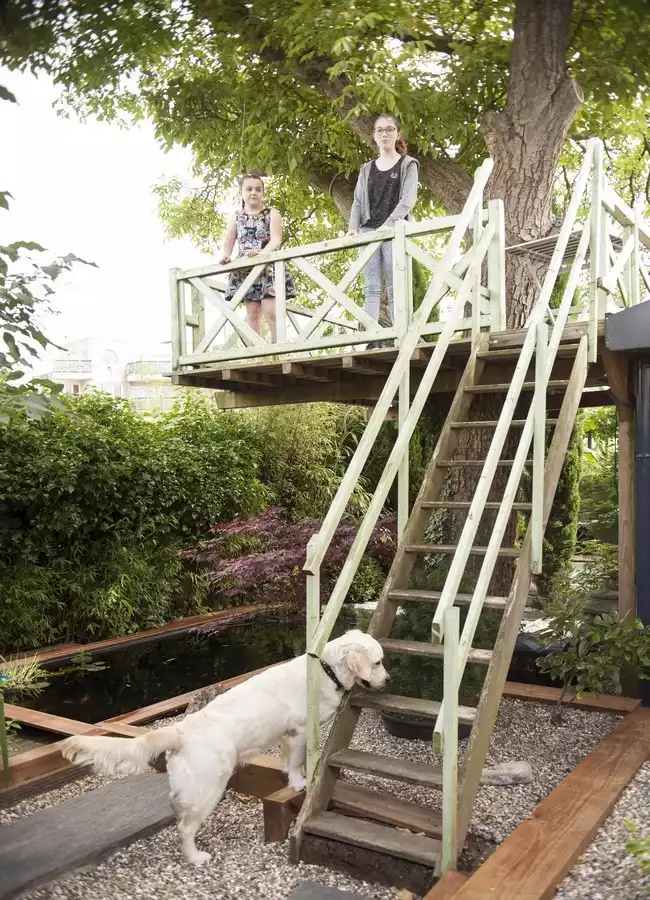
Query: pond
{"x": 145, "y": 673}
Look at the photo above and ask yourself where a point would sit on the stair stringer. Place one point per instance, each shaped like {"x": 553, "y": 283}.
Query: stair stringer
{"x": 345, "y": 720}
{"x": 496, "y": 675}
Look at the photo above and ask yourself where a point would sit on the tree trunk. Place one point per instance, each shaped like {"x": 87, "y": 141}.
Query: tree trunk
{"x": 525, "y": 140}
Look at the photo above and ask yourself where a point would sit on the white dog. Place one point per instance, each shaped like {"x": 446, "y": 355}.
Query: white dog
{"x": 205, "y": 748}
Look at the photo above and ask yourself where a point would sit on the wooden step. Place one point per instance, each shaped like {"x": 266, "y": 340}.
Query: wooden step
{"x": 432, "y": 651}
{"x": 373, "y": 836}
{"x": 411, "y": 595}
{"x": 387, "y": 767}
{"x": 395, "y": 703}
{"x": 355, "y": 800}
{"x": 564, "y": 350}
{"x": 551, "y": 388}
{"x": 492, "y": 423}
{"x": 511, "y": 552}
{"x": 476, "y": 463}
{"x": 465, "y": 504}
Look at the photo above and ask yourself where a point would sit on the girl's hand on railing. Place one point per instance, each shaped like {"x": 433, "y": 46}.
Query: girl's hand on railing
{"x": 224, "y": 260}
{"x": 252, "y": 253}
{"x": 353, "y": 231}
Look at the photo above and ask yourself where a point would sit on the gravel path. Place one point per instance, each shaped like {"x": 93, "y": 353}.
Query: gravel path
{"x": 244, "y": 867}
{"x": 606, "y": 871}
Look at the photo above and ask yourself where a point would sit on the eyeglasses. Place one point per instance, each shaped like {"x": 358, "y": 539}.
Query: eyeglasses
{"x": 388, "y": 130}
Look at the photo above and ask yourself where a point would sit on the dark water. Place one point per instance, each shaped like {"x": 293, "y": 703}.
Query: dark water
{"x": 147, "y": 673}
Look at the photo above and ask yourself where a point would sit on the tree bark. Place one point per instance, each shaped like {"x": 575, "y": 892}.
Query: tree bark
{"x": 526, "y": 137}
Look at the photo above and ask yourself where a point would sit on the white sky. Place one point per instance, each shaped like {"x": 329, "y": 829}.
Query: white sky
{"x": 86, "y": 188}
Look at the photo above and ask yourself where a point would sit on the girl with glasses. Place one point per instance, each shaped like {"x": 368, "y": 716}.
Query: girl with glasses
{"x": 386, "y": 191}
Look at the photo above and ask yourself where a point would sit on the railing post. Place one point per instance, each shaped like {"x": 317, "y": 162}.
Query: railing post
{"x": 539, "y": 447}
{"x": 451, "y": 664}
{"x": 635, "y": 269}
{"x": 178, "y": 317}
{"x": 402, "y": 303}
{"x": 198, "y": 313}
{"x": 598, "y": 298}
{"x": 497, "y": 266}
{"x": 280, "y": 302}
{"x": 313, "y": 670}
{"x": 476, "y": 287}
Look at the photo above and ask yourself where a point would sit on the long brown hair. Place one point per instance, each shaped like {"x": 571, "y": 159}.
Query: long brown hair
{"x": 400, "y": 143}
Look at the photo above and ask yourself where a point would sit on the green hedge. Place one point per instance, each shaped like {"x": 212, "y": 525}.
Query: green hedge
{"x": 95, "y": 503}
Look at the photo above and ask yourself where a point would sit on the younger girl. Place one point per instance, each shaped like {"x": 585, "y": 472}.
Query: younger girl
{"x": 386, "y": 190}
{"x": 255, "y": 228}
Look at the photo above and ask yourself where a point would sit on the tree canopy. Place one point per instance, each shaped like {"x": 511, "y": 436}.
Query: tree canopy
{"x": 289, "y": 88}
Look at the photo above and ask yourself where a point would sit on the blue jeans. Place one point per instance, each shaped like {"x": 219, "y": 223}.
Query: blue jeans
{"x": 381, "y": 262}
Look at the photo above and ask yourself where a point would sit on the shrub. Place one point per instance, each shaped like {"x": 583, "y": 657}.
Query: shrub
{"x": 95, "y": 505}
{"x": 596, "y": 647}
{"x": 272, "y": 571}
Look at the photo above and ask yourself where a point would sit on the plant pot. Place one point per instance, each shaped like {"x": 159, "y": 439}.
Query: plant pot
{"x": 416, "y": 729}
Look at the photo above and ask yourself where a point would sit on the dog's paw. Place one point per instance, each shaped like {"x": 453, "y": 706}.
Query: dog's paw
{"x": 297, "y": 782}
{"x": 199, "y": 858}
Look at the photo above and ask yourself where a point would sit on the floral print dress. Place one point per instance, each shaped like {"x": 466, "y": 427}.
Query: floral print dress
{"x": 254, "y": 233}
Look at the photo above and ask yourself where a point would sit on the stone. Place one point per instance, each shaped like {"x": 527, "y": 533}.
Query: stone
{"x": 203, "y": 697}
{"x": 508, "y": 773}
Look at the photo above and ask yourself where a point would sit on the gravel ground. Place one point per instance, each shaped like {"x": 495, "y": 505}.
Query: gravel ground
{"x": 606, "y": 871}
{"x": 244, "y": 867}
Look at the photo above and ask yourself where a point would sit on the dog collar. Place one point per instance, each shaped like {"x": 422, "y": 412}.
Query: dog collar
{"x": 329, "y": 671}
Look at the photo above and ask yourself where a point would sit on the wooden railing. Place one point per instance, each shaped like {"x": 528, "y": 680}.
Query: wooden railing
{"x": 326, "y": 317}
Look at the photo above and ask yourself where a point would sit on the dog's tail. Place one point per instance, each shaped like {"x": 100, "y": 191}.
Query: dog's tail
{"x": 121, "y": 756}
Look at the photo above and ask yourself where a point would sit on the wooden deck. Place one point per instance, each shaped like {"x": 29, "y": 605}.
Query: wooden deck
{"x": 359, "y": 377}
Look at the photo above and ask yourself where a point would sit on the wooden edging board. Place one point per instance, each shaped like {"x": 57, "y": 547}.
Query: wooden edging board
{"x": 177, "y": 626}
{"x": 45, "y": 766}
{"x": 534, "y": 860}
{"x": 542, "y": 694}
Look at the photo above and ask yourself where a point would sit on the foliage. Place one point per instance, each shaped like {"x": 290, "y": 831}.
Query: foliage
{"x": 307, "y": 449}
{"x": 599, "y": 482}
{"x": 562, "y": 529}
{"x": 639, "y": 847}
{"x": 595, "y": 647}
{"x": 26, "y": 678}
{"x": 96, "y": 504}
{"x": 272, "y": 570}
{"x": 25, "y": 292}
{"x": 286, "y": 88}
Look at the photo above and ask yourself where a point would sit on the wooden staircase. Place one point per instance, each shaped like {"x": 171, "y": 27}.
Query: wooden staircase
{"x": 391, "y": 827}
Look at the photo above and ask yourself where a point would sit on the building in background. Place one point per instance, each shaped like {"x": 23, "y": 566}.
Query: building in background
{"x": 116, "y": 367}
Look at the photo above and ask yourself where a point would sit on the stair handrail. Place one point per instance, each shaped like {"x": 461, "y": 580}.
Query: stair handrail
{"x": 319, "y": 629}
{"x": 546, "y": 351}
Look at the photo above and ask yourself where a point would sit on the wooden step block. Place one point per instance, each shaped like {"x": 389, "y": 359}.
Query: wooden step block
{"x": 477, "y": 463}
{"x": 353, "y": 799}
{"x": 410, "y": 595}
{"x": 465, "y": 504}
{"x": 552, "y": 387}
{"x": 373, "y": 836}
{"x": 492, "y": 423}
{"x": 510, "y": 552}
{"x": 413, "y": 706}
{"x": 387, "y": 767}
{"x": 432, "y": 651}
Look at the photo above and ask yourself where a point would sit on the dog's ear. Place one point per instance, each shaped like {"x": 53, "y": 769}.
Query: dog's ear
{"x": 358, "y": 663}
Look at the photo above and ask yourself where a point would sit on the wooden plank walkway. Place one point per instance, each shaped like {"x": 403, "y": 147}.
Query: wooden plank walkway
{"x": 86, "y": 829}
{"x": 38, "y": 848}
{"x": 539, "y": 693}
{"x": 534, "y": 860}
